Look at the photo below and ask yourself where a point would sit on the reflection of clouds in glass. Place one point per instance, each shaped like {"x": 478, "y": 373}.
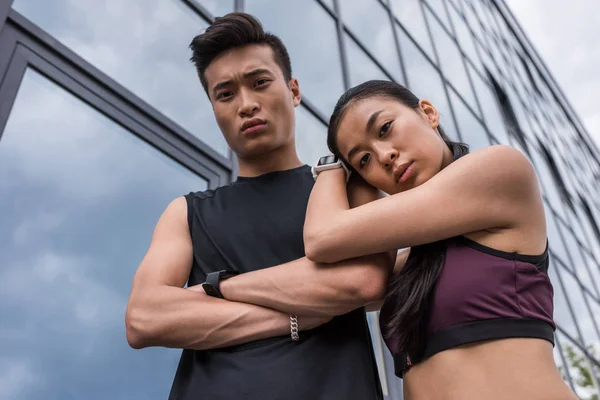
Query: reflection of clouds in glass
{"x": 371, "y": 24}
{"x": 451, "y": 61}
{"x": 316, "y": 61}
{"x": 17, "y": 377}
{"x": 410, "y": 15}
{"x": 580, "y": 309}
{"x": 311, "y": 137}
{"x": 218, "y": 8}
{"x": 150, "y": 59}
{"x": 562, "y": 314}
{"x": 490, "y": 108}
{"x": 425, "y": 82}
{"x": 438, "y": 8}
{"x": 80, "y": 197}
{"x": 471, "y": 131}
{"x": 464, "y": 37}
{"x": 73, "y": 301}
{"x": 360, "y": 66}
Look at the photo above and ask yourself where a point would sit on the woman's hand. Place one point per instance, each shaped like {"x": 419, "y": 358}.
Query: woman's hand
{"x": 360, "y": 192}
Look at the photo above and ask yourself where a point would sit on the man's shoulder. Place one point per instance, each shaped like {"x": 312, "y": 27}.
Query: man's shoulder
{"x": 209, "y": 193}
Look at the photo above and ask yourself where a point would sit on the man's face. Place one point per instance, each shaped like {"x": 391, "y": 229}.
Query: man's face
{"x": 252, "y": 101}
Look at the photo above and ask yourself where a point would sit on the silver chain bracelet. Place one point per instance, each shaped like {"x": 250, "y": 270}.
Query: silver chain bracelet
{"x": 294, "y": 327}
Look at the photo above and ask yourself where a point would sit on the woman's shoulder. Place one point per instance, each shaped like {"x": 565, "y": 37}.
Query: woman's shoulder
{"x": 500, "y": 163}
{"x": 499, "y": 153}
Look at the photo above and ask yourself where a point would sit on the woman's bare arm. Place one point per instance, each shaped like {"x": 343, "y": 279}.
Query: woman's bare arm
{"x": 492, "y": 188}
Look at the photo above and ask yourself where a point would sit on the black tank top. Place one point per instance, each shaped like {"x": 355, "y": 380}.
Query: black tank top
{"x": 257, "y": 223}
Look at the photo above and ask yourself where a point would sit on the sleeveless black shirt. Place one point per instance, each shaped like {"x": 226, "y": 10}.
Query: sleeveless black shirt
{"x": 257, "y": 223}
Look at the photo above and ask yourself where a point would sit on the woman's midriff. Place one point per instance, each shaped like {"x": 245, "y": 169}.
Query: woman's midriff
{"x": 493, "y": 370}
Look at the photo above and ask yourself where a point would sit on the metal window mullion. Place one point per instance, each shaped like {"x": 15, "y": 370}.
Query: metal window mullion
{"x": 585, "y": 291}
{"x": 388, "y": 8}
{"x": 8, "y": 44}
{"x": 199, "y": 10}
{"x": 5, "y": 6}
{"x": 342, "y": 49}
{"x": 582, "y": 288}
{"x": 239, "y": 5}
{"x": 314, "y": 111}
{"x": 436, "y": 64}
{"x": 370, "y": 55}
{"x": 454, "y": 38}
{"x": 9, "y": 87}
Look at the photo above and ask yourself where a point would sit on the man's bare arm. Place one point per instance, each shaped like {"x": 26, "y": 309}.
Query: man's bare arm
{"x": 161, "y": 312}
{"x": 306, "y": 288}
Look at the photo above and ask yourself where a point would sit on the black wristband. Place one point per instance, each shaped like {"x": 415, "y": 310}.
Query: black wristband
{"x": 213, "y": 280}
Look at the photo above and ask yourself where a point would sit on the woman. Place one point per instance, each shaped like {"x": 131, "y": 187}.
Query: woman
{"x": 469, "y": 316}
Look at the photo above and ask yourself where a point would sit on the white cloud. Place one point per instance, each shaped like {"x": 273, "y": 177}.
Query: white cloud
{"x": 141, "y": 45}
{"x": 565, "y": 33}
{"x": 17, "y": 376}
{"x": 73, "y": 297}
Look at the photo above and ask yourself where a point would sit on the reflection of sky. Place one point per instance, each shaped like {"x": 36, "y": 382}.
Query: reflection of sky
{"x": 368, "y": 20}
{"x": 143, "y": 46}
{"x": 80, "y": 197}
{"x": 315, "y": 59}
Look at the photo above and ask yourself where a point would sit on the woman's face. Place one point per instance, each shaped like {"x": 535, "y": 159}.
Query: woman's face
{"x": 393, "y": 147}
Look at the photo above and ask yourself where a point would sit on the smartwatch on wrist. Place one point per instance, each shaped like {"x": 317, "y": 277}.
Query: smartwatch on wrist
{"x": 329, "y": 162}
{"x": 213, "y": 280}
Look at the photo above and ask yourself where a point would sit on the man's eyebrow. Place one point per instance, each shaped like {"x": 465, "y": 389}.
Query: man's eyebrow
{"x": 258, "y": 71}
{"x": 255, "y": 72}
{"x": 220, "y": 86}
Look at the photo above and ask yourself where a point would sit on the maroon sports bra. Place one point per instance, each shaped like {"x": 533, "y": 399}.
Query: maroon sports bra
{"x": 482, "y": 294}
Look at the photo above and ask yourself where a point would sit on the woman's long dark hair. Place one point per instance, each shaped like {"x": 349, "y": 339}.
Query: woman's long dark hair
{"x": 410, "y": 292}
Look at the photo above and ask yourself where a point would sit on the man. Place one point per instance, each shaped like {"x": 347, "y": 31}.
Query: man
{"x": 285, "y": 327}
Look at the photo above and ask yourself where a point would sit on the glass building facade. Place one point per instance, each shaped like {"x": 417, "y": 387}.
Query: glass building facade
{"x": 103, "y": 122}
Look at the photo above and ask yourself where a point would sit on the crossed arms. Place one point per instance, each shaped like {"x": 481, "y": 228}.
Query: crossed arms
{"x": 161, "y": 312}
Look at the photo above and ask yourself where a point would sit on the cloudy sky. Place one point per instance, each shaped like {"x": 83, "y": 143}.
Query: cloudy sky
{"x": 565, "y": 33}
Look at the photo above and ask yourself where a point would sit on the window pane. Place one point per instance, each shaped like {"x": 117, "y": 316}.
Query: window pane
{"x": 451, "y": 62}
{"x": 425, "y": 82}
{"x": 578, "y": 264}
{"x": 80, "y": 198}
{"x": 361, "y": 67}
{"x": 316, "y": 63}
{"x": 582, "y": 315}
{"x": 490, "y": 108}
{"x": 218, "y": 8}
{"x": 471, "y": 130}
{"x": 440, "y": 11}
{"x": 562, "y": 314}
{"x": 546, "y": 181}
{"x": 411, "y": 17}
{"x": 150, "y": 59}
{"x": 370, "y": 22}
{"x": 555, "y": 241}
{"x": 464, "y": 37}
{"x": 311, "y": 137}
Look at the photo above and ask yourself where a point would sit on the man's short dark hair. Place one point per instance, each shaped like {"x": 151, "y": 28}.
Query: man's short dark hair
{"x": 231, "y": 31}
